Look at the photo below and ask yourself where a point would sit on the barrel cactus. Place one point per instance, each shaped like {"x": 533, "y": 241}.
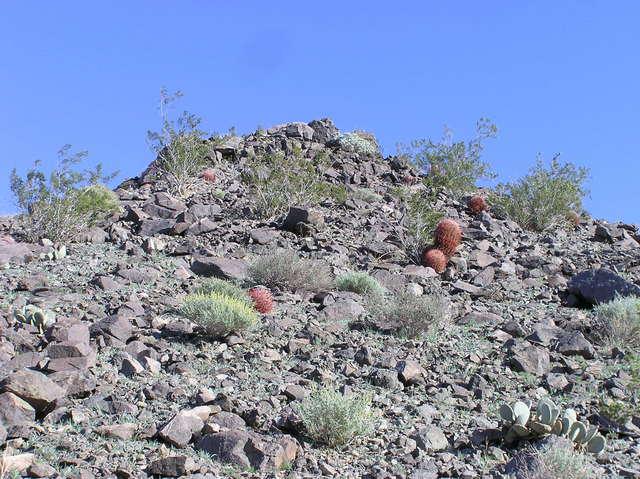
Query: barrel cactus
{"x": 262, "y": 300}
{"x": 447, "y": 237}
{"x": 476, "y": 204}
{"x": 434, "y": 258}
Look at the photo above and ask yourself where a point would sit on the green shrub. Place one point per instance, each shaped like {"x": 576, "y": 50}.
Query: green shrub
{"x": 454, "y": 166}
{"x": 220, "y": 286}
{"x": 358, "y": 142}
{"x": 366, "y": 195}
{"x": 360, "y": 283}
{"x": 412, "y": 316}
{"x": 98, "y": 201}
{"x": 218, "y": 314}
{"x": 334, "y": 419}
{"x": 286, "y": 270}
{"x": 618, "y": 322}
{"x": 544, "y": 198}
{"x": 182, "y": 149}
{"x": 60, "y": 205}
{"x": 280, "y": 180}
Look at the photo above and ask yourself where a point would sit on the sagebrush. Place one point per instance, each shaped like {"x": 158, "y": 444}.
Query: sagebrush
{"x": 288, "y": 271}
{"x": 412, "y": 316}
{"x": 334, "y": 419}
{"x": 618, "y": 322}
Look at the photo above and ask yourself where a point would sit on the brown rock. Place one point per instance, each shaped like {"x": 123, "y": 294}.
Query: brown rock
{"x": 14, "y": 410}
{"x": 34, "y": 387}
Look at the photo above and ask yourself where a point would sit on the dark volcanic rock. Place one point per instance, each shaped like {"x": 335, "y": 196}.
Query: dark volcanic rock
{"x": 598, "y": 286}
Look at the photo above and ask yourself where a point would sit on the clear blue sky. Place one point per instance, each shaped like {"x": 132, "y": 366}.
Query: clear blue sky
{"x": 555, "y": 76}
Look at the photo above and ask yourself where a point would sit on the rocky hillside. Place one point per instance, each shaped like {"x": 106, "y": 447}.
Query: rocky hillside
{"x": 121, "y": 385}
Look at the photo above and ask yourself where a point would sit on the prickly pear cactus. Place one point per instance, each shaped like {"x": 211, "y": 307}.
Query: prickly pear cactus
{"x": 35, "y": 316}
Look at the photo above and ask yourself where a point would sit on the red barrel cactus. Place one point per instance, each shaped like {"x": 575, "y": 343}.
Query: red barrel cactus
{"x": 434, "y": 258}
{"x": 448, "y": 237}
{"x": 574, "y": 218}
{"x": 262, "y": 299}
{"x": 209, "y": 175}
{"x": 477, "y": 204}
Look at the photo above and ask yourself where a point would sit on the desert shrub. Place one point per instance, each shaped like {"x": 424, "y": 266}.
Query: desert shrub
{"x": 182, "y": 149}
{"x": 218, "y": 314}
{"x": 454, "y": 166}
{"x": 366, "y": 195}
{"x": 280, "y": 180}
{"x": 558, "y": 461}
{"x": 65, "y": 202}
{"x": 334, "y": 419}
{"x": 286, "y": 270}
{"x": 98, "y": 201}
{"x": 360, "y": 283}
{"x": 545, "y": 197}
{"x": 618, "y": 322}
{"x": 220, "y": 286}
{"x": 412, "y": 316}
{"x": 358, "y": 142}
{"x": 620, "y": 410}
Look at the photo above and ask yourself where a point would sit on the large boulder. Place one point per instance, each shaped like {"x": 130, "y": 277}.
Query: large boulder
{"x": 224, "y": 268}
{"x": 33, "y": 387}
{"x": 598, "y": 286}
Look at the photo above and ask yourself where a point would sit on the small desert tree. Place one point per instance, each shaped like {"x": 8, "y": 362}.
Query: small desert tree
{"x": 452, "y": 165}
{"x": 543, "y": 198}
{"x": 63, "y": 203}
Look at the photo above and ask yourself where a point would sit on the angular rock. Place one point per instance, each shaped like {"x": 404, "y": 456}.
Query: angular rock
{"x": 34, "y": 387}
{"x": 115, "y": 326}
{"x": 598, "y": 286}
{"x": 575, "y": 344}
{"x": 224, "y": 268}
{"x": 531, "y": 359}
{"x": 172, "y": 466}
{"x": 14, "y": 410}
{"x": 431, "y": 439}
{"x": 305, "y": 216}
{"x": 118, "y": 431}
{"x": 180, "y": 429}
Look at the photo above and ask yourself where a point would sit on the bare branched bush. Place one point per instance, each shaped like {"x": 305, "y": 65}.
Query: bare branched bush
{"x": 286, "y": 270}
{"x": 280, "y": 180}
{"x": 183, "y": 149}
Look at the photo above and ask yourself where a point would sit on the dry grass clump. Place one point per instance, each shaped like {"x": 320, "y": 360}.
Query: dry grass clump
{"x": 334, "y": 419}
{"x": 412, "y": 316}
{"x": 287, "y": 271}
{"x": 618, "y": 322}
{"x": 558, "y": 461}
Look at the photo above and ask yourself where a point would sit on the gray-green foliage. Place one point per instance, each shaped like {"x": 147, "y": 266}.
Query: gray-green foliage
{"x": 334, "y": 419}
{"x": 60, "y": 205}
{"x": 544, "y": 197}
{"x": 280, "y": 180}
{"x": 360, "y": 283}
{"x": 618, "y": 322}
{"x": 454, "y": 166}
{"x": 286, "y": 270}
{"x": 220, "y": 286}
{"x": 217, "y": 314}
{"x": 412, "y": 316}
{"x": 182, "y": 148}
{"x": 357, "y": 142}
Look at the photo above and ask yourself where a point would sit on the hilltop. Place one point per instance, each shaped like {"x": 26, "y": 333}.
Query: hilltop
{"x": 123, "y": 385}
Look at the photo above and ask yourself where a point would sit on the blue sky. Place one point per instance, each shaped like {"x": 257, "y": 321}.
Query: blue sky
{"x": 555, "y": 76}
